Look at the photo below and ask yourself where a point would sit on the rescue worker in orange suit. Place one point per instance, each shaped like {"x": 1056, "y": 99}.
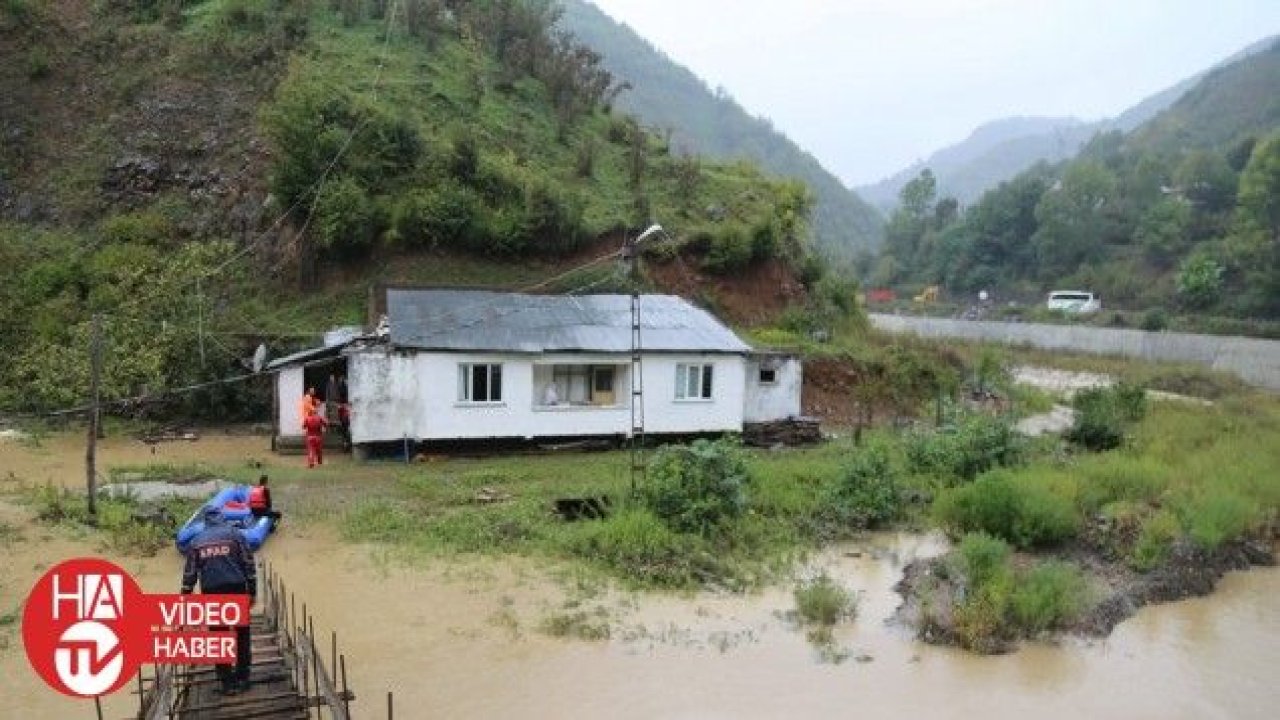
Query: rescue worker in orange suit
{"x": 310, "y": 403}
{"x": 220, "y": 558}
{"x": 260, "y": 503}
{"x": 315, "y": 425}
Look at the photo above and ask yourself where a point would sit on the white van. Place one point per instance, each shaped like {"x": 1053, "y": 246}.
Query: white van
{"x": 1075, "y": 302}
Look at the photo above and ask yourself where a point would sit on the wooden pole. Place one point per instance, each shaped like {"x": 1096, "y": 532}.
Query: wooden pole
{"x": 91, "y": 448}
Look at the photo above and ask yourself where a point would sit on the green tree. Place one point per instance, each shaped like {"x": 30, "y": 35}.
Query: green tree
{"x": 1200, "y": 281}
{"x": 1162, "y": 232}
{"x": 1073, "y": 220}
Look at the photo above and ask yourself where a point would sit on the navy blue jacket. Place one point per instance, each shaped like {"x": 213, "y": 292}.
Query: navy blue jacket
{"x": 221, "y": 559}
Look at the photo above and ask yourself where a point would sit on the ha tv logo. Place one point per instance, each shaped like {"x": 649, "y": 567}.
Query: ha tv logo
{"x": 88, "y": 627}
{"x": 76, "y": 628}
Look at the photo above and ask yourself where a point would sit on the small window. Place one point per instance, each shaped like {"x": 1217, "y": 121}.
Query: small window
{"x": 479, "y": 383}
{"x": 768, "y": 376}
{"x": 693, "y": 382}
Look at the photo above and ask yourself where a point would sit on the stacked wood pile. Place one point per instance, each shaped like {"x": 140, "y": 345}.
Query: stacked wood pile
{"x": 791, "y": 431}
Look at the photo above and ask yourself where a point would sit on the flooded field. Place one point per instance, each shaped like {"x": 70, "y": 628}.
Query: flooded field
{"x": 465, "y": 639}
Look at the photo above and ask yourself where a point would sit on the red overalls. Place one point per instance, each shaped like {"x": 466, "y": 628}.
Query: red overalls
{"x": 314, "y": 425}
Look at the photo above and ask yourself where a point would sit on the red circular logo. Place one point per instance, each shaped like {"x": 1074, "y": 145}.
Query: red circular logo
{"x": 76, "y": 627}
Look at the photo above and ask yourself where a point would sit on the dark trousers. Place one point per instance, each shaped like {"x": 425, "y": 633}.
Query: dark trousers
{"x": 229, "y": 674}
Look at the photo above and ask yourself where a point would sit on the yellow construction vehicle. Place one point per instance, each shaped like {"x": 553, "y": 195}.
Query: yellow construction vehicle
{"x": 928, "y": 295}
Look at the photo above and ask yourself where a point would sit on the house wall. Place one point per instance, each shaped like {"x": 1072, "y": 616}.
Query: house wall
{"x": 383, "y": 390}
{"x": 776, "y": 401}
{"x": 417, "y": 394}
{"x": 288, "y": 400}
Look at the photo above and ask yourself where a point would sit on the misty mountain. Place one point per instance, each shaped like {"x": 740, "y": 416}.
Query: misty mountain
{"x": 999, "y": 150}
{"x": 667, "y": 95}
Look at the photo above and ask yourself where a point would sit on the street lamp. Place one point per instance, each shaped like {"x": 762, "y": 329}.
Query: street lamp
{"x": 630, "y": 253}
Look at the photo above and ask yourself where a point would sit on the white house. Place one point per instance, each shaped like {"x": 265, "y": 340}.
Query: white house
{"x": 468, "y": 365}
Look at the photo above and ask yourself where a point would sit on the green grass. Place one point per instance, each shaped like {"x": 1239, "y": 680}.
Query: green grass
{"x": 822, "y": 601}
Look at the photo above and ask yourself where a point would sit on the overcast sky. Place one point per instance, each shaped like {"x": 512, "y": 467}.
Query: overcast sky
{"x": 870, "y": 86}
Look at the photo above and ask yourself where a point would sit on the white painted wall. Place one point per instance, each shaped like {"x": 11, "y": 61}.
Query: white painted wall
{"x": 665, "y": 414}
{"x": 777, "y": 401}
{"x": 397, "y": 394}
{"x": 383, "y": 392}
{"x": 288, "y": 400}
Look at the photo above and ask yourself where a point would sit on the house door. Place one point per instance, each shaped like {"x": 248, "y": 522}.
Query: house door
{"x": 602, "y": 386}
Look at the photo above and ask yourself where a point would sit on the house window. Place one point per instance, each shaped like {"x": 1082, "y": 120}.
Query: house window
{"x": 768, "y": 376}
{"x": 479, "y": 383}
{"x": 693, "y": 382}
{"x": 579, "y": 385}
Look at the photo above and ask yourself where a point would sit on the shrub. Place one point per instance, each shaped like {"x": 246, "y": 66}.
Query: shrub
{"x": 638, "y": 545}
{"x": 143, "y": 226}
{"x": 983, "y": 558}
{"x": 1214, "y": 519}
{"x": 694, "y": 488}
{"x": 1023, "y": 512}
{"x": 822, "y": 601}
{"x": 731, "y": 249}
{"x": 1154, "y": 540}
{"x": 979, "y": 443}
{"x": 867, "y": 492}
{"x": 344, "y": 219}
{"x": 1051, "y": 595}
{"x": 1103, "y": 414}
{"x": 440, "y": 215}
{"x": 1154, "y": 320}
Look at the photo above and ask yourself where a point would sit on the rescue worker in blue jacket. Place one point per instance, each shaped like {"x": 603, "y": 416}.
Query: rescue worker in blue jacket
{"x": 220, "y": 558}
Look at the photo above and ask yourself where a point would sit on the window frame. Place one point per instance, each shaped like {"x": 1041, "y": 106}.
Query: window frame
{"x": 698, "y": 377}
{"x": 773, "y": 372}
{"x": 467, "y": 384}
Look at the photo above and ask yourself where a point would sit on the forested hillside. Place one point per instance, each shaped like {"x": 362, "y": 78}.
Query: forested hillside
{"x": 208, "y": 175}
{"x": 667, "y": 95}
{"x": 1181, "y": 214}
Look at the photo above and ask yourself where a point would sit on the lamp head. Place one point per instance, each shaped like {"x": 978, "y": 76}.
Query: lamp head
{"x": 652, "y": 230}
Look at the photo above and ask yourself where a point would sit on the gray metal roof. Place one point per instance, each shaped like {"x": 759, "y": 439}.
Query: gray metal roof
{"x": 513, "y": 322}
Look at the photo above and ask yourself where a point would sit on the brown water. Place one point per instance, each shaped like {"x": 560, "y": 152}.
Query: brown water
{"x": 462, "y": 640}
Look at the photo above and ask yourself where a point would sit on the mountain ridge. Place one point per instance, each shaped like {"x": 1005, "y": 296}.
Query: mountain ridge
{"x": 966, "y": 169}
{"x": 668, "y": 95}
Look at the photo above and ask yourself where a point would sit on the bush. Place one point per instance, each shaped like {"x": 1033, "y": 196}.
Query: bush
{"x": 344, "y": 221}
{"x": 1103, "y": 415}
{"x": 1214, "y": 519}
{"x": 1154, "y": 320}
{"x": 983, "y": 558}
{"x": 641, "y": 547}
{"x": 1023, "y": 512}
{"x": 731, "y": 249}
{"x": 867, "y": 492}
{"x": 1154, "y": 540}
{"x": 440, "y": 215}
{"x": 822, "y": 601}
{"x": 979, "y": 443}
{"x": 695, "y": 488}
{"x": 1051, "y": 595}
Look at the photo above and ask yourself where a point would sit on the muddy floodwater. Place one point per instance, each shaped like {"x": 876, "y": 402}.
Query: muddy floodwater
{"x": 463, "y": 639}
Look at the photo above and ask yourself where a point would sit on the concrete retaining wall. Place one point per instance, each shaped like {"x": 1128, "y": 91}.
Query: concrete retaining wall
{"x": 1256, "y": 361}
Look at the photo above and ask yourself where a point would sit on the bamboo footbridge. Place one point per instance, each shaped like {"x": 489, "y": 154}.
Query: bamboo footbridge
{"x": 291, "y": 678}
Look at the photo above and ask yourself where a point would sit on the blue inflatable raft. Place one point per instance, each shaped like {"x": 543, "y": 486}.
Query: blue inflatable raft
{"x": 234, "y": 502}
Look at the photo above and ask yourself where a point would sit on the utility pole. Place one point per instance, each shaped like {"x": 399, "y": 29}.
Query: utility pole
{"x": 91, "y": 449}
{"x": 638, "y": 469}
{"x": 630, "y": 255}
